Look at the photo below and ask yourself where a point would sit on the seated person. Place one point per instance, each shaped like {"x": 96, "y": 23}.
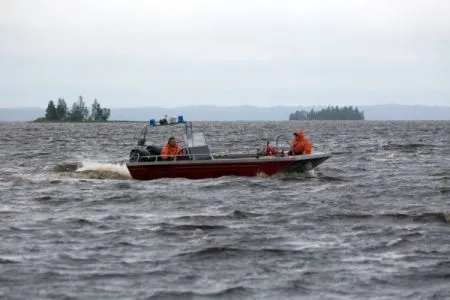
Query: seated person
{"x": 171, "y": 150}
{"x": 300, "y": 144}
{"x": 269, "y": 150}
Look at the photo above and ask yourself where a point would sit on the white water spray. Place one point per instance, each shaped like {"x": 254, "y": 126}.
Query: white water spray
{"x": 96, "y": 170}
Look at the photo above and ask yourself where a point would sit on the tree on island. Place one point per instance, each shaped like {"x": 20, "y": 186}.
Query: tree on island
{"x": 50, "y": 112}
{"x": 98, "y": 113}
{"x": 78, "y": 113}
{"x": 329, "y": 113}
{"x": 298, "y": 115}
{"x": 61, "y": 110}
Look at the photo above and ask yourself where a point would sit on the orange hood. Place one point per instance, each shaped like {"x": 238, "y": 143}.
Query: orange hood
{"x": 299, "y": 135}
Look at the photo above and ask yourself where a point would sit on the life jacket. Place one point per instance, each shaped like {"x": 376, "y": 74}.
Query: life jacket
{"x": 170, "y": 152}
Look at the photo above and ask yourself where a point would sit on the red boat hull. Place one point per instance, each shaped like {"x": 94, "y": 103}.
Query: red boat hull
{"x": 202, "y": 169}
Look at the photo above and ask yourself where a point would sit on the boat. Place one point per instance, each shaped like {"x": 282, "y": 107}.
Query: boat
{"x": 198, "y": 162}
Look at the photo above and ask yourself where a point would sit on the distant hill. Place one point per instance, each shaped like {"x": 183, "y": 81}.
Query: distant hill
{"x": 277, "y": 113}
{"x": 21, "y": 114}
{"x": 406, "y": 112}
{"x": 204, "y": 113}
{"x": 250, "y": 113}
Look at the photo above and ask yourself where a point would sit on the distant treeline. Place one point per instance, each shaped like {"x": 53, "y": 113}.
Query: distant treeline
{"x": 78, "y": 113}
{"x": 329, "y": 113}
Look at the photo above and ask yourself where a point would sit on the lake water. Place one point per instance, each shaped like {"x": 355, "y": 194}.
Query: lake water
{"x": 372, "y": 222}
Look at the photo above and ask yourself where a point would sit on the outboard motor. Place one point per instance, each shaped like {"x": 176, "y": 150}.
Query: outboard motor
{"x": 137, "y": 155}
{"x": 140, "y": 154}
{"x": 154, "y": 150}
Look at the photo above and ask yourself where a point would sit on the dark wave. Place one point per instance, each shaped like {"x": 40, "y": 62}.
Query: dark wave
{"x": 81, "y": 221}
{"x": 441, "y": 217}
{"x": 217, "y": 186}
{"x": 439, "y": 271}
{"x": 240, "y": 214}
{"x": 326, "y": 178}
{"x": 444, "y": 190}
{"x": 400, "y": 242}
{"x": 218, "y": 251}
{"x": 43, "y": 198}
{"x": 121, "y": 198}
{"x": 67, "y": 167}
{"x": 77, "y": 260}
{"x": 125, "y": 244}
{"x": 123, "y": 186}
{"x": 298, "y": 286}
{"x": 412, "y": 235}
{"x": 234, "y": 215}
{"x": 341, "y": 152}
{"x": 121, "y": 274}
{"x": 4, "y": 261}
{"x": 199, "y": 227}
{"x": 230, "y": 293}
{"x": 293, "y": 177}
{"x": 444, "y": 174}
{"x": 112, "y": 218}
{"x": 190, "y": 227}
{"x": 406, "y": 147}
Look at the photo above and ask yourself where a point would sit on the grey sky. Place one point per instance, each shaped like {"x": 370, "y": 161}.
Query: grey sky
{"x": 266, "y": 53}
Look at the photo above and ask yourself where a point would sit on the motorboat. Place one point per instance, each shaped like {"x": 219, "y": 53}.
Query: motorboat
{"x": 198, "y": 162}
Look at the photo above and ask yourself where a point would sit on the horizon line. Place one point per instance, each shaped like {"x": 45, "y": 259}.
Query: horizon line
{"x": 249, "y": 105}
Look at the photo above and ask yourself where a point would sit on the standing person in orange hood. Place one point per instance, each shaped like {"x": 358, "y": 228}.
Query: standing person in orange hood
{"x": 300, "y": 144}
{"x": 171, "y": 150}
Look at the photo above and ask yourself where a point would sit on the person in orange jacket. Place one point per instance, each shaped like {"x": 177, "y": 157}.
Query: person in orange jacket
{"x": 171, "y": 150}
{"x": 300, "y": 144}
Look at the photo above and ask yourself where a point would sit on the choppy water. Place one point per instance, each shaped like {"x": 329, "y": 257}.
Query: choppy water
{"x": 371, "y": 222}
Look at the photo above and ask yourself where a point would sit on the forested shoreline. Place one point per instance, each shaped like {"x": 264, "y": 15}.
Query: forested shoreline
{"x": 329, "y": 113}
{"x": 79, "y": 112}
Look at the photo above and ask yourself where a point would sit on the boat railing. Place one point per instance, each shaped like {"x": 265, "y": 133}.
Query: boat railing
{"x": 154, "y": 157}
{"x": 278, "y": 143}
{"x": 240, "y": 150}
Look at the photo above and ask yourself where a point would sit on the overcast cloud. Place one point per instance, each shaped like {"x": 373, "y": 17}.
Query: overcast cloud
{"x": 170, "y": 53}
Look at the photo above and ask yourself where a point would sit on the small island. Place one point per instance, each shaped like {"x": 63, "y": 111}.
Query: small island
{"x": 78, "y": 113}
{"x": 329, "y": 113}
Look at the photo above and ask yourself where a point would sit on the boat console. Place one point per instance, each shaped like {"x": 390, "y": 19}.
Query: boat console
{"x": 195, "y": 144}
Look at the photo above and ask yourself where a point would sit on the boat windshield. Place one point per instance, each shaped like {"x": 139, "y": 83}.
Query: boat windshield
{"x": 195, "y": 139}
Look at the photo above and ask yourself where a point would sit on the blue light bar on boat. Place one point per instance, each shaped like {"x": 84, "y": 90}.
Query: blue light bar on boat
{"x": 180, "y": 119}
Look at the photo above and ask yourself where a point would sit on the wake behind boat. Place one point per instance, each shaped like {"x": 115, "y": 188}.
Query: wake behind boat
{"x": 196, "y": 161}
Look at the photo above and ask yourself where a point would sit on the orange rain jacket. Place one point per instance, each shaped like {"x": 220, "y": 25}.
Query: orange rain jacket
{"x": 300, "y": 144}
{"x": 170, "y": 152}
